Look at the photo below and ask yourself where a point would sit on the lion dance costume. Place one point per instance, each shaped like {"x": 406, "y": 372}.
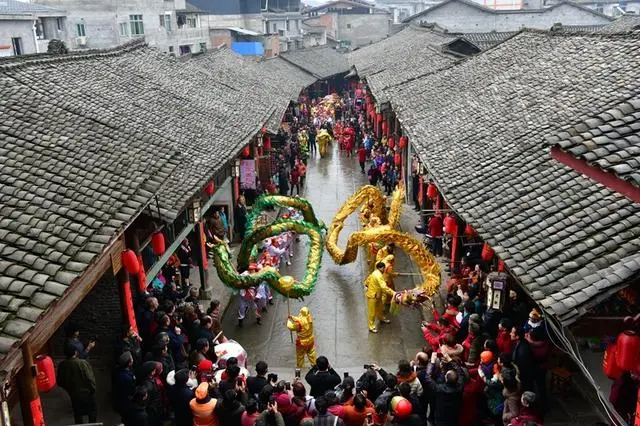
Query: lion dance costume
{"x": 305, "y": 343}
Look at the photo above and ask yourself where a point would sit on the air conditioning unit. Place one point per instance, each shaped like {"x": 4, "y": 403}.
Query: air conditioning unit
{"x": 81, "y": 41}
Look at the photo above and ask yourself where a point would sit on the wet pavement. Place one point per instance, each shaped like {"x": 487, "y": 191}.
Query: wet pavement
{"x": 338, "y": 303}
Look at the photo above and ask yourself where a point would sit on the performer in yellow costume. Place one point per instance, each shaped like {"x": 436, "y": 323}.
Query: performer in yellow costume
{"x": 305, "y": 343}
{"x": 376, "y": 290}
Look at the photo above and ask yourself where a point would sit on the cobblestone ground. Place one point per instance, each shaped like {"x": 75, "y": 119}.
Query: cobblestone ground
{"x": 338, "y": 303}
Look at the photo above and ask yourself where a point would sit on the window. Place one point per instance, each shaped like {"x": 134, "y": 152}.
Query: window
{"x": 275, "y": 28}
{"x": 165, "y": 22}
{"x": 203, "y": 46}
{"x": 40, "y": 30}
{"x": 124, "y": 29}
{"x": 136, "y": 24}
{"x": 185, "y": 50}
{"x": 59, "y": 24}
{"x": 171, "y": 52}
{"x": 288, "y": 25}
{"x": 348, "y": 26}
{"x": 599, "y": 8}
{"x": 80, "y": 31}
{"x": 281, "y": 33}
{"x": 191, "y": 22}
{"x": 16, "y": 43}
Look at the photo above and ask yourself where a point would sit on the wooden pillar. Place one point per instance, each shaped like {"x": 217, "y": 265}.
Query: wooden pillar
{"x": 30, "y": 405}
{"x": 201, "y": 256}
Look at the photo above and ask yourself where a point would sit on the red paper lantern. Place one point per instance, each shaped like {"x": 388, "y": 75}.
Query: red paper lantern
{"x": 46, "y": 373}
{"x": 210, "y": 188}
{"x": 609, "y": 365}
{"x": 432, "y": 190}
{"x": 402, "y": 142}
{"x": 628, "y": 350}
{"x": 468, "y": 230}
{"x": 128, "y": 301}
{"x": 391, "y": 142}
{"x": 501, "y": 266}
{"x": 130, "y": 261}
{"x": 157, "y": 243}
{"x": 397, "y": 159}
{"x": 246, "y": 151}
{"x": 487, "y": 252}
{"x": 450, "y": 225}
{"x": 267, "y": 143}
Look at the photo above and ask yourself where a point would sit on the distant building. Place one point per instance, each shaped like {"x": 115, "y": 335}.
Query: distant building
{"x": 402, "y": 9}
{"x": 351, "y": 22}
{"x": 173, "y": 26}
{"x": 609, "y": 7}
{"x": 464, "y": 16}
{"x": 26, "y": 28}
{"x": 274, "y": 17}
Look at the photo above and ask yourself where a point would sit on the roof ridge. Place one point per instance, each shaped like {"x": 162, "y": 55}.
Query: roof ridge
{"x": 44, "y": 58}
{"x": 556, "y": 33}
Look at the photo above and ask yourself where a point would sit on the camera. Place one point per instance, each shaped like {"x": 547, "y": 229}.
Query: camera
{"x": 368, "y": 366}
{"x": 297, "y": 373}
{"x": 287, "y": 385}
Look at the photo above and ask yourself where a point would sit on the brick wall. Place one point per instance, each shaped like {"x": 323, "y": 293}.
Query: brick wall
{"x": 98, "y": 314}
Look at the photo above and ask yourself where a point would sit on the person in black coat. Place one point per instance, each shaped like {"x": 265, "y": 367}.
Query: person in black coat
{"x": 523, "y": 358}
{"x": 230, "y": 408}
{"x": 256, "y": 383}
{"x": 322, "y": 377}
{"x": 371, "y": 383}
{"x": 415, "y": 190}
{"x": 180, "y": 395}
{"x": 124, "y": 384}
{"x": 137, "y": 414}
{"x": 448, "y": 395}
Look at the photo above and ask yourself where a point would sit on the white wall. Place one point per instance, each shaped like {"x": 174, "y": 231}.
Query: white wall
{"x": 16, "y": 28}
{"x": 458, "y": 17}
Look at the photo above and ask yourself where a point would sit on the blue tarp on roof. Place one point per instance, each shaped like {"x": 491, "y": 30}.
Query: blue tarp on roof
{"x": 248, "y": 48}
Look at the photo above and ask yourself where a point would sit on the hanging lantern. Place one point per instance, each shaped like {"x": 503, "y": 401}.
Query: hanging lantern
{"x": 246, "y": 151}
{"x": 391, "y": 142}
{"x": 210, "y": 188}
{"x": 157, "y": 243}
{"x": 267, "y": 143}
{"x": 501, "y": 266}
{"x": 402, "y": 143}
{"x": 468, "y": 230}
{"x": 46, "y": 373}
{"x": 487, "y": 253}
{"x": 130, "y": 261}
{"x": 450, "y": 225}
{"x": 397, "y": 159}
{"x": 628, "y": 350}
{"x": 432, "y": 190}
{"x": 609, "y": 365}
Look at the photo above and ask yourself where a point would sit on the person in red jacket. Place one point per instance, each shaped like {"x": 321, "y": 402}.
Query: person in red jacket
{"x": 470, "y": 395}
{"x": 435, "y": 231}
{"x": 362, "y": 157}
{"x": 503, "y": 339}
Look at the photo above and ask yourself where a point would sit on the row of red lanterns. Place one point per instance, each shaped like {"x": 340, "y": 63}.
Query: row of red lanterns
{"x": 130, "y": 260}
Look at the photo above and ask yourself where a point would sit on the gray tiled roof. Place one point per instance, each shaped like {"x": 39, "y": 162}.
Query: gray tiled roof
{"x": 14, "y": 7}
{"x": 322, "y": 62}
{"x": 86, "y": 141}
{"x": 71, "y": 180}
{"x": 480, "y": 126}
{"x": 609, "y": 140}
{"x": 411, "y": 53}
{"x": 487, "y": 40}
{"x": 623, "y": 24}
